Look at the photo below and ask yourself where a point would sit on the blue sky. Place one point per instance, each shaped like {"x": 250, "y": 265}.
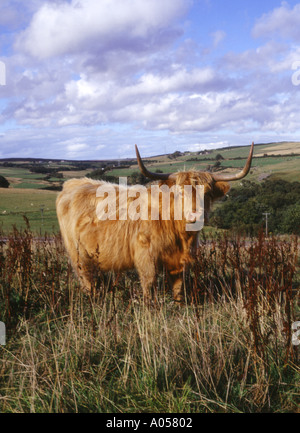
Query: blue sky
{"x": 87, "y": 79}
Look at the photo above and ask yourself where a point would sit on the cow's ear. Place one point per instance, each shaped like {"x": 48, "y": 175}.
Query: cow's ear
{"x": 220, "y": 189}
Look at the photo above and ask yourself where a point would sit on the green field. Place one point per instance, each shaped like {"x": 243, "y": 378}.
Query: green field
{"x": 26, "y": 194}
{"x": 285, "y": 161}
{"x": 37, "y": 205}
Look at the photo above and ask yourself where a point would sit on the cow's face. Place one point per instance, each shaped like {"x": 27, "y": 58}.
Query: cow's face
{"x": 217, "y": 191}
{"x": 212, "y": 191}
{"x": 198, "y": 191}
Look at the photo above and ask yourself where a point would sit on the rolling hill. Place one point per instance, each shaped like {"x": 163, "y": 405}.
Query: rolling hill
{"x": 34, "y": 182}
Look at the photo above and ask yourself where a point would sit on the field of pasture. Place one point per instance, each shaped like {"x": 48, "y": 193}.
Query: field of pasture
{"x": 229, "y": 349}
{"x": 37, "y": 205}
{"x": 27, "y": 194}
{"x": 273, "y": 159}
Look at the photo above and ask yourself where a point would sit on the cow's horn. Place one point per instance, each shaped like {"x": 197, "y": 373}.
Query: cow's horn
{"x": 149, "y": 174}
{"x": 240, "y": 175}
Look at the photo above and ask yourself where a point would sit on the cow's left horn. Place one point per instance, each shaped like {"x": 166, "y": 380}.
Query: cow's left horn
{"x": 240, "y": 175}
{"x": 149, "y": 174}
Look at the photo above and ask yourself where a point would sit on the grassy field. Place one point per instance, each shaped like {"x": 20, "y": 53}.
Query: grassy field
{"x": 280, "y": 148}
{"x": 26, "y": 196}
{"x": 37, "y": 205}
{"x": 228, "y": 350}
{"x": 287, "y": 164}
{"x": 23, "y": 178}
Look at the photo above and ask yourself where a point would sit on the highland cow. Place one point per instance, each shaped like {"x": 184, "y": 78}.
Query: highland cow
{"x": 96, "y": 241}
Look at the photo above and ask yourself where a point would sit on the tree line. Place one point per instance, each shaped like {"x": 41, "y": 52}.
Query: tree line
{"x": 243, "y": 208}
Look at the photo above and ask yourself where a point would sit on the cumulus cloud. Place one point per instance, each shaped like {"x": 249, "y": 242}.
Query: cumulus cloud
{"x": 283, "y": 21}
{"x": 268, "y": 57}
{"x": 97, "y": 75}
{"x": 65, "y": 28}
{"x": 155, "y": 100}
{"x": 75, "y": 149}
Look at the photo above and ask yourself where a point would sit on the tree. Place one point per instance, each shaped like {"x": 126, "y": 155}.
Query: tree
{"x": 3, "y": 182}
{"x": 290, "y": 222}
{"x": 175, "y": 155}
{"x": 243, "y": 209}
{"x": 137, "y": 178}
{"x": 217, "y": 165}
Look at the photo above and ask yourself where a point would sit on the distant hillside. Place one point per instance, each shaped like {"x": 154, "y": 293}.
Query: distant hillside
{"x": 275, "y": 160}
{"x": 34, "y": 182}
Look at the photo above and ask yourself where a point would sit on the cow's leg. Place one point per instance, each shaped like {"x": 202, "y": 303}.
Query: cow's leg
{"x": 85, "y": 282}
{"x": 146, "y": 270}
{"x": 85, "y": 277}
{"x": 88, "y": 272}
{"x": 79, "y": 267}
{"x": 147, "y": 276}
{"x": 147, "y": 285}
{"x": 81, "y": 264}
{"x": 175, "y": 280}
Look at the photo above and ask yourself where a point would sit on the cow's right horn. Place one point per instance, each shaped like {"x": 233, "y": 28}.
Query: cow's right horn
{"x": 237, "y": 176}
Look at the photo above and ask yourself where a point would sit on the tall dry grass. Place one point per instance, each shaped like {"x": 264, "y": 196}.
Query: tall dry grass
{"x": 228, "y": 350}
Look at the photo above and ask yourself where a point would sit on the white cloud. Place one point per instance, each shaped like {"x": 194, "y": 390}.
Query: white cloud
{"x": 265, "y": 57}
{"x": 218, "y": 36}
{"x": 283, "y": 21}
{"x": 152, "y": 85}
{"x": 66, "y": 28}
{"x": 195, "y": 147}
{"x": 75, "y": 148}
{"x": 99, "y": 75}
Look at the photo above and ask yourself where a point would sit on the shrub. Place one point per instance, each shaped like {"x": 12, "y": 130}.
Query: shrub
{"x": 3, "y": 182}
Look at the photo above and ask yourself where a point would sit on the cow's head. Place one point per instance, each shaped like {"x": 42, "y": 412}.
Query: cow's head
{"x": 215, "y": 184}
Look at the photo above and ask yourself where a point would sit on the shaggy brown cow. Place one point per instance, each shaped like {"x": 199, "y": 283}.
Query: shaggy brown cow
{"x": 95, "y": 243}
